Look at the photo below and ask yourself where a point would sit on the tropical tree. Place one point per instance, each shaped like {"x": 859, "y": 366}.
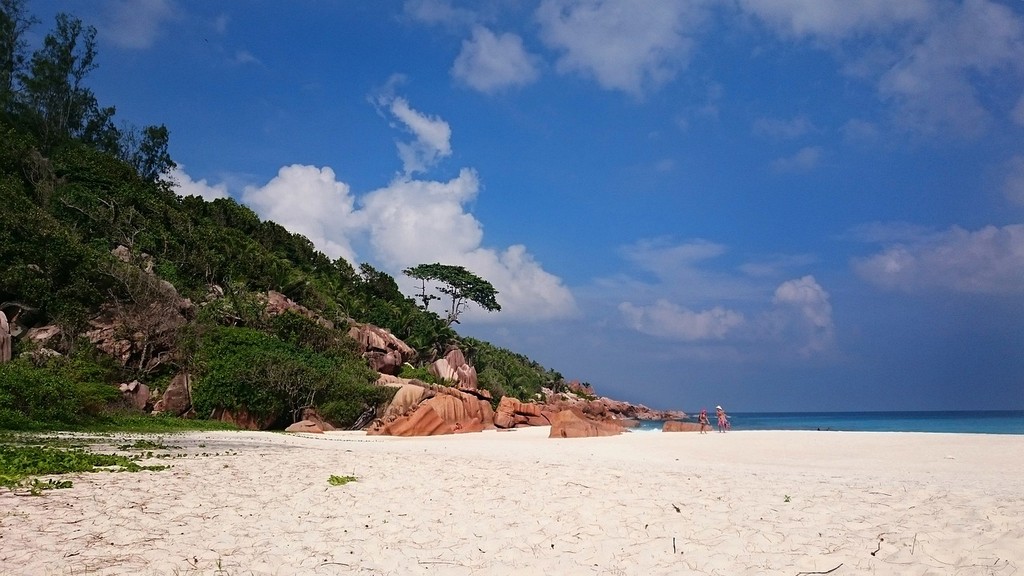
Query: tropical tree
{"x": 459, "y": 284}
{"x": 54, "y": 92}
{"x": 14, "y": 23}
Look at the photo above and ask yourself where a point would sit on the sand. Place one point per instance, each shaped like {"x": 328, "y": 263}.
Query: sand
{"x": 516, "y": 502}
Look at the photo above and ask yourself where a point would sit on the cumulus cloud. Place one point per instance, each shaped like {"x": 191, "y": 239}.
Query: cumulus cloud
{"x": 688, "y": 301}
{"x": 986, "y": 261}
{"x": 490, "y": 62}
{"x": 136, "y": 24}
{"x": 669, "y": 320}
{"x": 809, "y": 314}
{"x": 805, "y": 159}
{"x": 620, "y": 46}
{"x": 415, "y": 221}
{"x": 432, "y": 135}
{"x": 411, "y": 222}
{"x": 407, "y": 222}
{"x": 309, "y": 201}
{"x": 184, "y": 185}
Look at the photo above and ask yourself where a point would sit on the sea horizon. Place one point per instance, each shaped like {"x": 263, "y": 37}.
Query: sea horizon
{"x": 938, "y": 421}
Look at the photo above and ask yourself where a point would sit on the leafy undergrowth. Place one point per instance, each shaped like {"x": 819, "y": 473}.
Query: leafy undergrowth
{"x": 19, "y": 463}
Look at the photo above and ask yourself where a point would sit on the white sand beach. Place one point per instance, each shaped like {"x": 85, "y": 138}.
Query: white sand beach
{"x": 516, "y": 502}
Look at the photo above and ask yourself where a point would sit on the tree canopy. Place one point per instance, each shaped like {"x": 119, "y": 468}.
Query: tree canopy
{"x": 459, "y": 284}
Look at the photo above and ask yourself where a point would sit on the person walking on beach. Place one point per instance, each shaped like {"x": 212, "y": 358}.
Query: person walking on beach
{"x": 703, "y": 421}
{"x": 723, "y": 419}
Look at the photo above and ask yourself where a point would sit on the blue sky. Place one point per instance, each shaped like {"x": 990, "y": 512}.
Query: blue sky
{"x": 766, "y": 204}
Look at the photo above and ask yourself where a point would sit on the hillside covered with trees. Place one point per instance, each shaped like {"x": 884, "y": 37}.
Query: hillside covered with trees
{"x": 91, "y": 229}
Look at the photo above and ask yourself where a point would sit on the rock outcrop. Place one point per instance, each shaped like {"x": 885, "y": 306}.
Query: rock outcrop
{"x": 276, "y": 303}
{"x": 511, "y": 413}
{"x": 242, "y": 418}
{"x": 459, "y": 410}
{"x": 307, "y": 426}
{"x": 135, "y": 394}
{"x": 577, "y": 397}
{"x": 139, "y": 330}
{"x": 677, "y": 426}
{"x": 455, "y": 369}
{"x": 385, "y": 352}
{"x": 177, "y": 398}
{"x": 423, "y": 421}
{"x": 573, "y": 424}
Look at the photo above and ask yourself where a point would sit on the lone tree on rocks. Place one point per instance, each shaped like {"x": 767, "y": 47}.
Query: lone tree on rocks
{"x": 458, "y": 283}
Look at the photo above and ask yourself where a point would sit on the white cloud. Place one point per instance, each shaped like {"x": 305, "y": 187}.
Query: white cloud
{"x": 927, "y": 57}
{"x": 783, "y": 129}
{"x": 309, "y": 201}
{"x": 412, "y": 222}
{"x": 489, "y": 62}
{"x": 810, "y": 314}
{"x": 1013, "y": 184}
{"x": 988, "y": 261}
{"x": 184, "y": 185}
{"x": 741, "y": 310}
{"x": 136, "y": 24}
{"x": 805, "y": 159}
{"x": 668, "y": 320}
{"x": 526, "y": 291}
{"x": 416, "y": 221}
{"x": 932, "y": 82}
{"x": 405, "y": 223}
{"x": 432, "y": 134}
{"x": 622, "y": 46}
{"x": 836, "y": 19}
{"x": 438, "y": 12}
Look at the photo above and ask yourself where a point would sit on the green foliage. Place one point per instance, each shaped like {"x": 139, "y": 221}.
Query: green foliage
{"x": 33, "y": 398}
{"x": 335, "y": 480}
{"x": 245, "y": 369}
{"x": 53, "y": 93}
{"x": 419, "y": 373}
{"x": 459, "y": 284}
{"x": 503, "y": 372}
{"x": 20, "y": 462}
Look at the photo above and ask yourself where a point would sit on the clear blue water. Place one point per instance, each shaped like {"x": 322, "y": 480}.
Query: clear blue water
{"x": 983, "y": 422}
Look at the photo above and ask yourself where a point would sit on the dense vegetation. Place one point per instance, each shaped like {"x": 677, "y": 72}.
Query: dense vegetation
{"x": 74, "y": 187}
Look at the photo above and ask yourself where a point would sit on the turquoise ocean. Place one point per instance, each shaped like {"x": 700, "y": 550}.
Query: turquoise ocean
{"x": 980, "y": 422}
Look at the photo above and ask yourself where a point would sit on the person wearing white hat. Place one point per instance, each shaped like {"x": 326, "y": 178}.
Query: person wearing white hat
{"x": 723, "y": 419}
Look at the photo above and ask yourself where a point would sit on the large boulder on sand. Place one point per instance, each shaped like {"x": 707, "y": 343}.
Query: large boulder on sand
{"x": 455, "y": 406}
{"x": 511, "y": 412}
{"x": 307, "y": 426}
{"x": 424, "y": 421}
{"x": 573, "y": 424}
{"x": 177, "y": 398}
{"x": 677, "y": 426}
